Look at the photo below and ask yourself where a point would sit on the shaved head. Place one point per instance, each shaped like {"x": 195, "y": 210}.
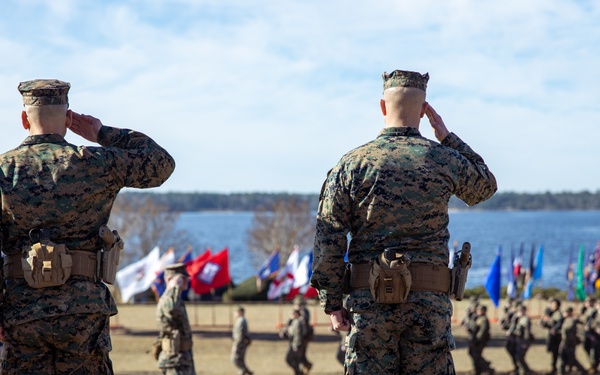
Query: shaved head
{"x": 403, "y": 105}
{"x": 46, "y": 114}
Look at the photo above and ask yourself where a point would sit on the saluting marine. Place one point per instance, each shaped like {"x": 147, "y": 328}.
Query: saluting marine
{"x": 392, "y": 193}
{"x": 56, "y": 202}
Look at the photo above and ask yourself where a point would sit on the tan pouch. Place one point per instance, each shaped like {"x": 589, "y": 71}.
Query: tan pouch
{"x": 47, "y": 265}
{"x": 389, "y": 283}
{"x": 171, "y": 345}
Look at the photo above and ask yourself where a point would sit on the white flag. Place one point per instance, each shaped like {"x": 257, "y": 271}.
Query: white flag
{"x": 285, "y": 278}
{"x": 137, "y": 277}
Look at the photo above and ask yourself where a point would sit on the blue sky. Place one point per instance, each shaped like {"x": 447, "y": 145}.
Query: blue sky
{"x": 268, "y": 95}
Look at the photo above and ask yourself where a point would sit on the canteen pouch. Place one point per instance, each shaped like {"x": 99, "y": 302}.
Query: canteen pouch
{"x": 47, "y": 264}
{"x": 171, "y": 344}
{"x": 111, "y": 255}
{"x": 390, "y": 282}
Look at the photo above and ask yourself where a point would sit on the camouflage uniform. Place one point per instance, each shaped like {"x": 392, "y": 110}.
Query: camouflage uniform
{"x": 174, "y": 327}
{"x": 295, "y": 333}
{"x": 394, "y": 191}
{"x": 520, "y": 330}
{"x": 552, "y": 320}
{"x": 479, "y": 336}
{"x": 240, "y": 344}
{"x": 69, "y": 190}
{"x": 300, "y": 305}
{"x": 569, "y": 343}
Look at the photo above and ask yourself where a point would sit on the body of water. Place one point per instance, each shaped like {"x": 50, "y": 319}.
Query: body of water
{"x": 561, "y": 233}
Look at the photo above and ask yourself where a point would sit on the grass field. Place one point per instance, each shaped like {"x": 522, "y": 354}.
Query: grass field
{"x": 134, "y": 329}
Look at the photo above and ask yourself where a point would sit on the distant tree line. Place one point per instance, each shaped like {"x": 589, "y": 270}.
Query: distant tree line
{"x": 180, "y": 202}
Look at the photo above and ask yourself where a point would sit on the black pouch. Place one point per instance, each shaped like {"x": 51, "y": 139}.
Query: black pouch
{"x": 390, "y": 282}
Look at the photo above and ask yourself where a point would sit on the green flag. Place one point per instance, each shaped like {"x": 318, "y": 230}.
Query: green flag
{"x": 580, "y": 290}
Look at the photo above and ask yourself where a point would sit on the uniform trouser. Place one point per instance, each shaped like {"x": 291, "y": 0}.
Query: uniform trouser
{"x": 511, "y": 348}
{"x": 303, "y": 360}
{"x": 568, "y": 358}
{"x": 522, "y": 345}
{"x": 238, "y": 357}
{"x": 70, "y": 344}
{"x": 177, "y": 364}
{"x": 553, "y": 350}
{"x": 479, "y": 364}
{"x": 413, "y": 337}
{"x": 293, "y": 360}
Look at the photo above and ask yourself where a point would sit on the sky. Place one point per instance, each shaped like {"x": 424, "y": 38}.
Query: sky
{"x": 266, "y": 96}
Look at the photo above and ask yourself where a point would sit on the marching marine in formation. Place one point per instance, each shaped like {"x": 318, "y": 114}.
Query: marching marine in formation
{"x": 568, "y": 344}
{"x": 552, "y": 320}
{"x": 479, "y": 336}
{"x": 520, "y": 332}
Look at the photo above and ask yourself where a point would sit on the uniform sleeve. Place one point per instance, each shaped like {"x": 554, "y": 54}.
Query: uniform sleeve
{"x": 476, "y": 182}
{"x": 333, "y": 223}
{"x": 138, "y": 161}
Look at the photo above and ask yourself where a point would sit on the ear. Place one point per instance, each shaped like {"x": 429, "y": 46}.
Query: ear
{"x": 424, "y": 108}
{"x": 382, "y": 105}
{"x": 69, "y": 120}
{"x": 24, "y": 120}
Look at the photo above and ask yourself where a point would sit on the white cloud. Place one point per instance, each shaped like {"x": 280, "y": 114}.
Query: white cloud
{"x": 268, "y": 95}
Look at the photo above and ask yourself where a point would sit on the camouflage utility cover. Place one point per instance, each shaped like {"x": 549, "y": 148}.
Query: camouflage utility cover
{"x": 44, "y": 92}
{"x": 393, "y": 191}
{"x": 405, "y": 78}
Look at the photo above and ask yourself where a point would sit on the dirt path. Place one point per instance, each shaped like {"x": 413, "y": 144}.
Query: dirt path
{"x": 134, "y": 330}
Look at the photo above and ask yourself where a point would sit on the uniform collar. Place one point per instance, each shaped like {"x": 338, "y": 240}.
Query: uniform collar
{"x": 400, "y": 131}
{"x": 43, "y": 138}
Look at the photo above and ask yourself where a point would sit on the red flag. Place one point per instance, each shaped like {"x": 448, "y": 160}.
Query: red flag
{"x": 197, "y": 263}
{"x": 211, "y": 273}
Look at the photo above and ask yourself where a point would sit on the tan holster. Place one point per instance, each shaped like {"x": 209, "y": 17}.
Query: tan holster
{"x": 425, "y": 277}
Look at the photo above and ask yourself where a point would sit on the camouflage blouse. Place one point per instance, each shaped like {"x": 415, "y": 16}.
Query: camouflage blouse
{"x": 393, "y": 191}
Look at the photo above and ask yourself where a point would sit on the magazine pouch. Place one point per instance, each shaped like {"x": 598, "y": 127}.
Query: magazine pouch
{"x": 47, "y": 264}
{"x": 390, "y": 282}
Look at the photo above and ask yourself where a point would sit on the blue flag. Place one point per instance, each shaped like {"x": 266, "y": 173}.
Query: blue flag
{"x": 269, "y": 266}
{"x": 492, "y": 283}
{"x": 537, "y": 270}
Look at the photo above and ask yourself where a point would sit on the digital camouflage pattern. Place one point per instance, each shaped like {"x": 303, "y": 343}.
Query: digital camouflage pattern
{"x": 172, "y": 321}
{"x": 77, "y": 336}
{"x": 373, "y": 345}
{"x": 49, "y": 183}
{"x": 44, "y": 92}
{"x": 394, "y": 191}
{"x": 405, "y": 78}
